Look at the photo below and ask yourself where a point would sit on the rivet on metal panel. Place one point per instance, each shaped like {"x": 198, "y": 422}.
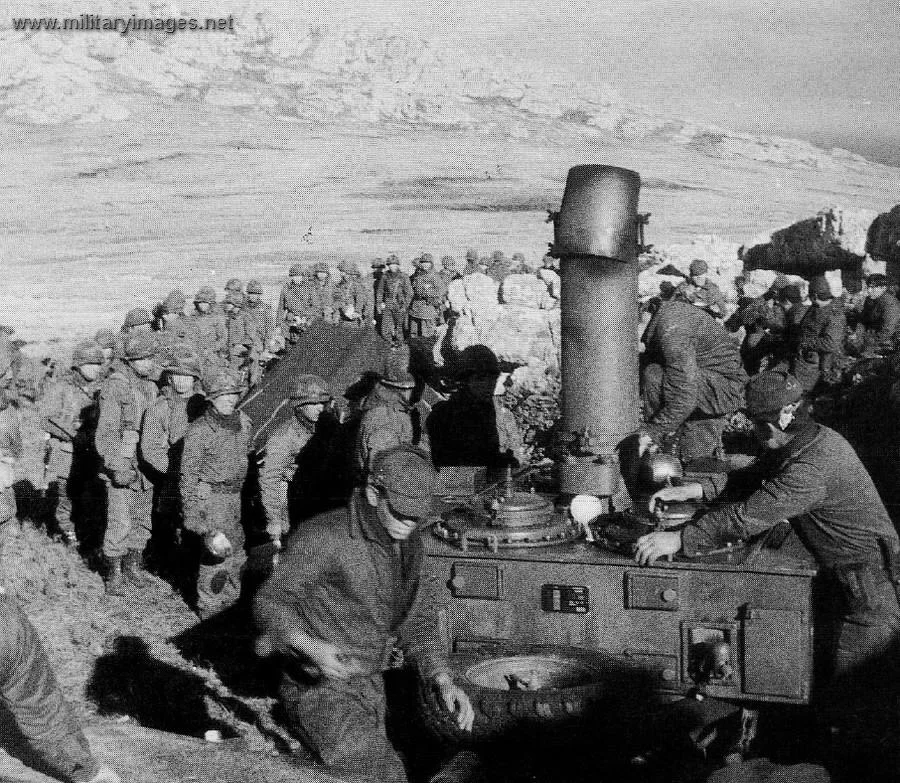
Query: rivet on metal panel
{"x": 669, "y": 595}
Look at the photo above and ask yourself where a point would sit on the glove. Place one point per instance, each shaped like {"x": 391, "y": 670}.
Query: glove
{"x": 124, "y": 478}
{"x": 217, "y": 544}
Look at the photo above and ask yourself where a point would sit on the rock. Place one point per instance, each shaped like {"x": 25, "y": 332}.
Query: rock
{"x": 520, "y": 335}
{"x": 523, "y": 291}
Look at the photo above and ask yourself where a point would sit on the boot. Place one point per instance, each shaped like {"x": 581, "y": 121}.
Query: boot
{"x": 133, "y": 568}
{"x": 114, "y": 581}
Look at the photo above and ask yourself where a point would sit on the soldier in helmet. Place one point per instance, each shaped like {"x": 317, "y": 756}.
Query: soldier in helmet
{"x": 261, "y": 324}
{"x": 820, "y": 336}
{"x": 292, "y": 316}
{"x": 137, "y": 321}
{"x": 282, "y": 453}
{"x": 162, "y": 441}
{"x": 348, "y": 587}
{"x": 699, "y": 284}
{"x": 320, "y": 300}
{"x": 106, "y": 339}
{"x": 124, "y": 398}
{"x": 392, "y": 299}
{"x": 353, "y": 296}
{"x": 213, "y": 470}
{"x": 209, "y": 332}
{"x": 240, "y": 335}
{"x": 427, "y": 299}
{"x": 233, "y": 286}
{"x": 389, "y": 418}
{"x": 448, "y": 271}
{"x": 173, "y": 329}
{"x": 69, "y": 419}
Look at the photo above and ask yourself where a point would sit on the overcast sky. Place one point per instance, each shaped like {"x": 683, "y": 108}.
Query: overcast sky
{"x": 825, "y": 71}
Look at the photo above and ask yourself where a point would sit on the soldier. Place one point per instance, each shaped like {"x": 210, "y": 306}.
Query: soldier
{"x": 811, "y": 477}
{"x": 320, "y": 301}
{"x": 213, "y": 470}
{"x": 389, "y": 418}
{"x": 427, "y": 298}
{"x": 240, "y": 335}
{"x": 106, "y": 339}
{"x": 354, "y": 296}
{"x": 519, "y": 265}
{"x": 283, "y": 448}
{"x": 699, "y": 279}
{"x": 162, "y": 442}
{"x": 466, "y": 428}
{"x": 233, "y": 286}
{"x": 174, "y": 334}
{"x": 209, "y": 333}
{"x": 292, "y": 318}
{"x": 880, "y": 317}
{"x": 261, "y": 323}
{"x": 821, "y": 336}
{"x": 783, "y": 328}
{"x": 69, "y": 419}
{"x": 499, "y": 266}
{"x": 692, "y": 381}
{"x": 137, "y": 321}
{"x": 33, "y": 699}
{"x": 347, "y": 589}
{"x": 124, "y": 398}
{"x": 378, "y": 266}
{"x": 448, "y": 271}
{"x": 392, "y": 299}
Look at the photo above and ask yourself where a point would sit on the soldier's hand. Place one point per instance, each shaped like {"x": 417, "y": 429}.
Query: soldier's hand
{"x": 124, "y": 478}
{"x": 683, "y": 492}
{"x": 218, "y": 544}
{"x": 653, "y": 546}
{"x": 455, "y": 701}
{"x": 332, "y": 662}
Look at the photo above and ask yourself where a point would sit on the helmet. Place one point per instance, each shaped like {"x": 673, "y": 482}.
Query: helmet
{"x": 138, "y": 317}
{"x": 320, "y": 266}
{"x": 226, "y": 382}
{"x": 407, "y": 478}
{"x": 105, "y": 338}
{"x": 657, "y": 470}
{"x": 254, "y": 287}
{"x": 141, "y": 346}
{"x": 396, "y": 371}
{"x": 497, "y": 255}
{"x": 235, "y": 298}
{"x": 295, "y": 271}
{"x": 518, "y": 257}
{"x": 310, "y": 389}
{"x": 348, "y": 267}
{"x": 393, "y": 258}
{"x": 234, "y": 285}
{"x": 378, "y": 263}
{"x": 477, "y": 360}
{"x": 87, "y": 353}
{"x": 472, "y": 254}
{"x": 698, "y": 267}
{"x": 426, "y": 258}
{"x": 206, "y": 294}
{"x": 819, "y": 288}
{"x": 768, "y": 392}
{"x": 184, "y": 365}
{"x": 175, "y": 302}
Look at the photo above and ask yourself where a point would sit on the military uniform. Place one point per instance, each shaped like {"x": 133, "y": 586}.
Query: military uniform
{"x": 69, "y": 410}
{"x": 428, "y": 295}
{"x": 31, "y": 695}
{"x": 292, "y": 315}
{"x": 260, "y": 322}
{"x": 881, "y": 319}
{"x": 354, "y": 298}
{"x": 343, "y": 579}
{"x": 319, "y": 301}
{"x": 387, "y": 421}
{"x": 124, "y": 399}
{"x": 693, "y": 380}
{"x": 820, "y": 340}
{"x": 392, "y": 299}
{"x": 210, "y": 336}
{"x": 213, "y": 470}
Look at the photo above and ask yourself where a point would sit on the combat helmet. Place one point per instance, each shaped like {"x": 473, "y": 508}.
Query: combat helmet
{"x": 310, "y": 389}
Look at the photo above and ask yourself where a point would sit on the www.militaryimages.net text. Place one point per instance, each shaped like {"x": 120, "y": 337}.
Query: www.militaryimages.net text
{"x": 123, "y": 24}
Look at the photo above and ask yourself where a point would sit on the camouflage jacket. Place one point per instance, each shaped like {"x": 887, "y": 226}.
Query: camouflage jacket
{"x": 356, "y": 294}
{"x": 29, "y": 691}
{"x": 162, "y": 436}
{"x": 278, "y": 468}
{"x": 385, "y": 423}
{"x": 124, "y": 399}
{"x": 69, "y": 410}
{"x": 214, "y": 459}
{"x": 261, "y": 323}
{"x": 209, "y": 334}
{"x": 394, "y": 291}
{"x": 428, "y": 295}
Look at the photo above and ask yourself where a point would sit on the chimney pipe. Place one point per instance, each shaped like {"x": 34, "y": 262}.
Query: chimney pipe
{"x": 596, "y": 240}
